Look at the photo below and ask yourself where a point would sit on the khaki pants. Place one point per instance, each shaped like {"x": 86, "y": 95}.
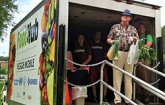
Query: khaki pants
{"x": 117, "y": 76}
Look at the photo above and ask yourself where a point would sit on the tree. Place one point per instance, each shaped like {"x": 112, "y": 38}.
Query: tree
{"x": 3, "y": 71}
{"x": 163, "y": 35}
{"x": 7, "y": 10}
{"x": 4, "y": 58}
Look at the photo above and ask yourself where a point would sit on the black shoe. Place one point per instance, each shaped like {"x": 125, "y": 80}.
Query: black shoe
{"x": 95, "y": 99}
{"x": 105, "y": 99}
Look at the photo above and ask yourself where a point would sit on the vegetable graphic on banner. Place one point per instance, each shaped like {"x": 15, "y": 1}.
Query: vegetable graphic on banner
{"x": 11, "y": 64}
{"x": 46, "y": 59}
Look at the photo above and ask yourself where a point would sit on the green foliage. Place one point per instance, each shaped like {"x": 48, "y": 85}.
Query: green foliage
{"x": 147, "y": 53}
{"x": 164, "y": 61}
{"x": 163, "y": 35}
{"x": 1, "y": 85}
{"x": 3, "y": 70}
{"x": 7, "y": 10}
{"x": 2, "y": 58}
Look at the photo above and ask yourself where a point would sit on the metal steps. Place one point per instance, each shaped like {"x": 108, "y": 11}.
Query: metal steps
{"x": 112, "y": 103}
{"x": 90, "y": 103}
{"x": 140, "y": 103}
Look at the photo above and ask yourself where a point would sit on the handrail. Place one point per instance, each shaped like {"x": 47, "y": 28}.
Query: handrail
{"x": 142, "y": 83}
{"x": 152, "y": 69}
{"x": 156, "y": 65}
{"x": 101, "y": 87}
{"x": 139, "y": 81}
{"x": 149, "y": 68}
{"x": 133, "y": 103}
{"x": 145, "y": 85}
{"x": 154, "y": 92}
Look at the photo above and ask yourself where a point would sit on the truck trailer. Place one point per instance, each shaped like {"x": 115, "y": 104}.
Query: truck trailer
{"x": 40, "y": 41}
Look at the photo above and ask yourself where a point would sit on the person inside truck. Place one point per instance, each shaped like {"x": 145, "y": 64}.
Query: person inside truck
{"x": 126, "y": 34}
{"x": 98, "y": 54}
{"x": 82, "y": 52}
{"x": 141, "y": 72}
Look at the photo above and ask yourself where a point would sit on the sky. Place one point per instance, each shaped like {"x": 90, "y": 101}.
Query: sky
{"x": 25, "y": 6}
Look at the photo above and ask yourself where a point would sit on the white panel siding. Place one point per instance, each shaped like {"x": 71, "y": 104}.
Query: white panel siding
{"x": 117, "y": 6}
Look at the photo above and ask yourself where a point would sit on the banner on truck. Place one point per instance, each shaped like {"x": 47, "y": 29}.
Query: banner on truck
{"x": 31, "y": 59}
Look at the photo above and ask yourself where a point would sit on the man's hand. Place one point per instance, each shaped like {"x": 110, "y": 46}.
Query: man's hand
{"x": 134, "y": 39}
{"x": 109, "y": 41}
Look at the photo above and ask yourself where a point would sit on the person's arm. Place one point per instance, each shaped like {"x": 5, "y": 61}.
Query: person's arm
{"x": 148, "y": 44}
{"x": 89, "y": 57}
{"x": 149, "y": 41}
{"x": 86, "y": 61}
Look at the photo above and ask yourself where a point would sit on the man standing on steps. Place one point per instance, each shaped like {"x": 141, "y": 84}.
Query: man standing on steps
{"x": 126, "y": 34}
{"x": 98, "y": 54}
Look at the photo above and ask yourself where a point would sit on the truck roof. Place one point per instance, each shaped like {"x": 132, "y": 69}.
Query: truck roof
{"x": 149, "y": 4}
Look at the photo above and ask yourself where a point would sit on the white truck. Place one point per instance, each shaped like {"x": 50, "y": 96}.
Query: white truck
{"x": 40, "y": 41}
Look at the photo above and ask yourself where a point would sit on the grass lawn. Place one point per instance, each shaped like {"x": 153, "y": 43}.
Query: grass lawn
{"x": 1, "y": 85}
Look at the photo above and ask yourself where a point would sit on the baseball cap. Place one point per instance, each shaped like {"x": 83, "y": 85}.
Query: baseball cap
{"x": 126, "y": 12}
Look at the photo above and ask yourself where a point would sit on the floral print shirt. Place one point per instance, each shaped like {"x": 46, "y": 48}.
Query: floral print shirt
{"x": 124, "y": 35}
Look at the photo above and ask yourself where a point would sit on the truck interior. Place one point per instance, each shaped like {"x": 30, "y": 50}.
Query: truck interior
{"x": 87, "y": 20}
